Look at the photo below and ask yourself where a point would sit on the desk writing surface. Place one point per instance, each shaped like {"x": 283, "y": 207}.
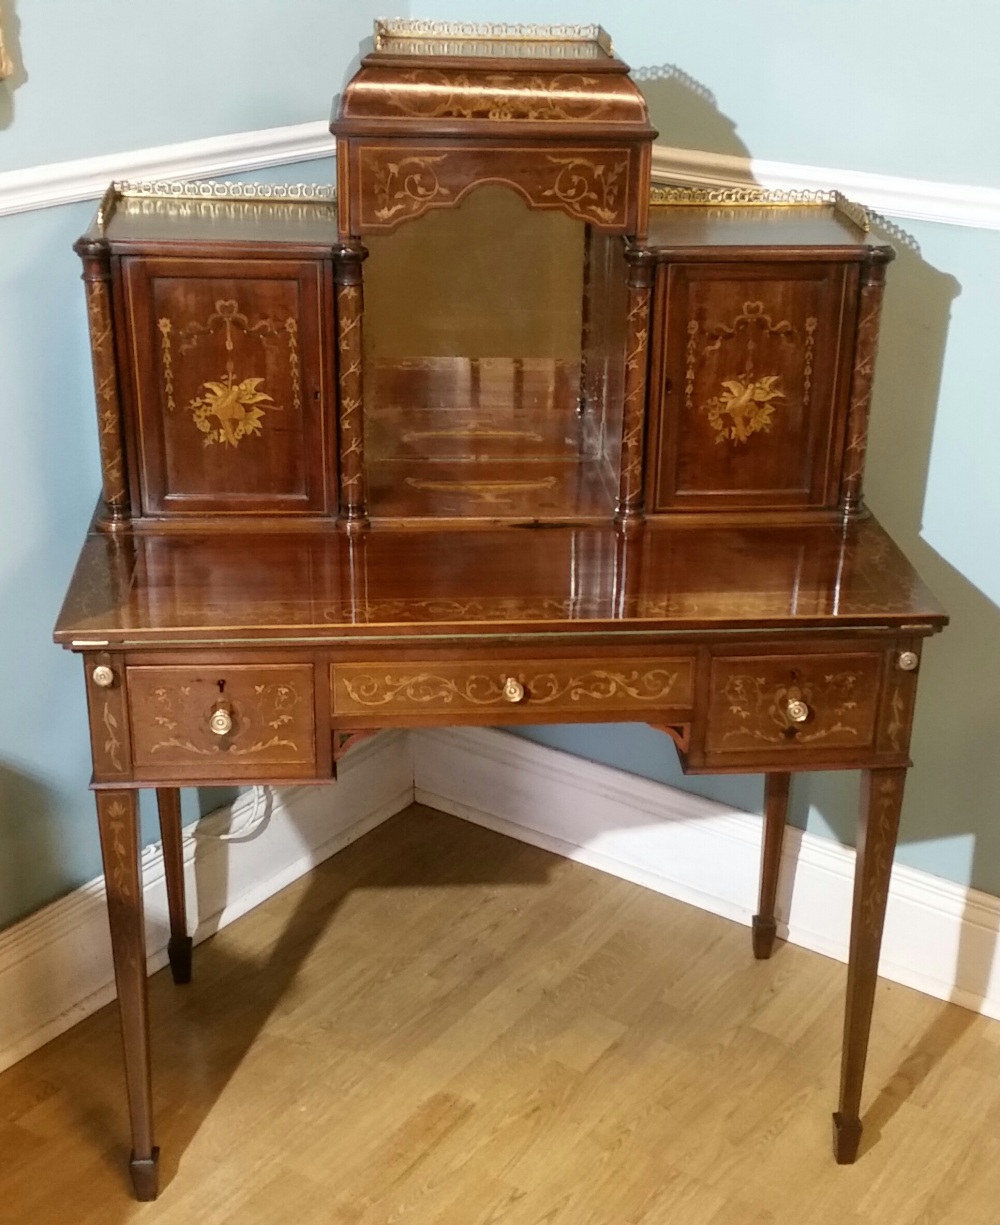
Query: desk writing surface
{"x": 145, "y": 589}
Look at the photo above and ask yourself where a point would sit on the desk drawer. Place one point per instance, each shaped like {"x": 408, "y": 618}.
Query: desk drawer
{"x": 791, "y": 703}
{"x": 580, "y": 686}
{"x": 232, "y": 719}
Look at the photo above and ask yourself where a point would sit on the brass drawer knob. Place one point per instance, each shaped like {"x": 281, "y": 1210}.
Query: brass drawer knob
{"x": 221, "y": 721}
{"x": 513, "y": 690}
{"x": 102, "y": 675}
{"x": 908, "y": 661}
{"x": 797, "y": 710}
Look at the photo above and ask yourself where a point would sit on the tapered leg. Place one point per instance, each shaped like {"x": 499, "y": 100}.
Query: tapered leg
{"x": 877, "y": 828}
{"x": 168, "y": 802}
{"x": 775, "y": 815}
{"x": 117, "y": 818}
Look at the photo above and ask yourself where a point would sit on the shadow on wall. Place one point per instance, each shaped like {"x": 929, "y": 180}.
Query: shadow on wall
{"x": 10, "y": 59}
{"x": 29, "y": 849}
{"x": 685, "y": 112}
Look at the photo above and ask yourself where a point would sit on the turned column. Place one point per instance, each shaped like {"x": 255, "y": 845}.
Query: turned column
{"x": 641, "y": 270}
{"x": 348, "y": 258}
{"x": 96, "y": 256}
{"x": 869, "y": 315}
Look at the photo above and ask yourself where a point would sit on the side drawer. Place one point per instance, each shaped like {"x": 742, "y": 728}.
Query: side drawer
{"x": 792, "y": 703}
{"x": 235, "y": 719}
{"x": 564, "y": 687}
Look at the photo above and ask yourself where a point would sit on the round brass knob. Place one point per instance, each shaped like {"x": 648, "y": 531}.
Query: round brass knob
{"x": 221, "y": 721}
{"x": 796, "y": 710}
{"x": 102, "y": 675}
{"x": 513, "y": 690}
{"x": 908, "y": 661}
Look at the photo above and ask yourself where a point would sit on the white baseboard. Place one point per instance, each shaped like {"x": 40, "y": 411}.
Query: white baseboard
{"x": 940, "y": 938}
{"x": 55, "y": 966}
{"x": 87, "y": 178}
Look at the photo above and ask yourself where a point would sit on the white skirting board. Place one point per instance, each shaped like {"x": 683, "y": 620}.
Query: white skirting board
{"x": 55, "y": 966}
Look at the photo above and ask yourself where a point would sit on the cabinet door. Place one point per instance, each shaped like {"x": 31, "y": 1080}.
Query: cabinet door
{"x": 750, "y": 398}
{"x": 230, "y": 380}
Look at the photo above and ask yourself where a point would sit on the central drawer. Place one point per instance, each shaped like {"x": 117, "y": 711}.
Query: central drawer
{"x": 563, "y": 687}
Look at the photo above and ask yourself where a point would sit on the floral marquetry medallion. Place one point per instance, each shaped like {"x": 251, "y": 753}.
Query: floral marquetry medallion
{"x": 229, "y": 409}
{"x": 231, "y": 403}
{"x": 753, "y": 387}
{"x": 747, "y": 402}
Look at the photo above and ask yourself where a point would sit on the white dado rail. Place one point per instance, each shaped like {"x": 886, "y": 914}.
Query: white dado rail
{"x": 86, "y": 178}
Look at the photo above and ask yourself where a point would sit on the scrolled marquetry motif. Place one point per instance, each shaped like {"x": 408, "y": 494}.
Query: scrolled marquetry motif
{"x": 770, "y": 703}
{"x": 265, "y": 706}
{"x": 590, "y": 184}
{"x": 862, "y": 376}
{"x": 898, "y": 703}
{"x": 432, "y": 93}
{"x": 97, "y": 277}
{"x": 240, "y": 718}
{"x": 350, "y": 358}
{"x": 109, "y": 724}
{"x": 633, "y": 454}
{"x": 592, "y": 189}
{"x": 434, "y": 690}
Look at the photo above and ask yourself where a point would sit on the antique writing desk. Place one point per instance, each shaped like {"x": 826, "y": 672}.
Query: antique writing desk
{"x": 563, "y": 449}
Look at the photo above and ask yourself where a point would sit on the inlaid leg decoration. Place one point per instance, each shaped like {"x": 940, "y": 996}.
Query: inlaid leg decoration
{"x": 168, "y": 803}
{"x": 775, "y": 814}
{"x": 877, "y": 828}
{"x": 117, "y": 818}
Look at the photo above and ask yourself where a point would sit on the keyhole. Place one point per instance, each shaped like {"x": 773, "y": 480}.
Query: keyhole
{"x": 222, "y": 686}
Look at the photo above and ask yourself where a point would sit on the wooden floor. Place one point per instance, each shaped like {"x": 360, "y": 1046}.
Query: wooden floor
{"x": 444, "y": 1025}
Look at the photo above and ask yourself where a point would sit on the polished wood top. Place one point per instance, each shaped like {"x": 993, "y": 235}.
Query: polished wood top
{"x": 824, "y": 228}
{"x": 129, "y": 221}
{"x": 136, "y": 589}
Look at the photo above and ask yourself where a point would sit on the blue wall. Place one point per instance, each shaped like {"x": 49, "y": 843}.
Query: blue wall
{"x": 905, "y": 92}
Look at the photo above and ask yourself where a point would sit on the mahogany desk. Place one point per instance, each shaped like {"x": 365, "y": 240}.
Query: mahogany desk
{"x": 214, "y": 658}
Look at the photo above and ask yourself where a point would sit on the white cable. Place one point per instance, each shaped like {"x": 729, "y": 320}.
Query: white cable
{"x": 259, "y": 816}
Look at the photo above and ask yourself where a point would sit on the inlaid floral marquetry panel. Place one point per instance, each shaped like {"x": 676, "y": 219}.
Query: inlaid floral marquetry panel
{"x": 230, "y": 374}
{"x": 786, "y": 702}
{"x": 589, "y": 184}
{"x": 755, "y": 388}
{"x": 566, "y": 686}
{"x": 270, "y": 708}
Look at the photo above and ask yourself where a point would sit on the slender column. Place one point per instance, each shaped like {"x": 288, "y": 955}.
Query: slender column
{"x": 585, "y": 316}
{"x": 96, "y": 256}
{"x": 168, "y": 803}
{"x": 117, "y": 819}
{"x": 866, "y": 344}
{"x": 348, "y": 258}
{"x": 775, "y": 815}
{"x": 877, "y": 828}
{"x": 641, "y": 268}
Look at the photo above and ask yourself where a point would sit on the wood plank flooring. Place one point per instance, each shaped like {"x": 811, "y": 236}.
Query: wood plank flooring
{"x": 444, "y": 1025}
